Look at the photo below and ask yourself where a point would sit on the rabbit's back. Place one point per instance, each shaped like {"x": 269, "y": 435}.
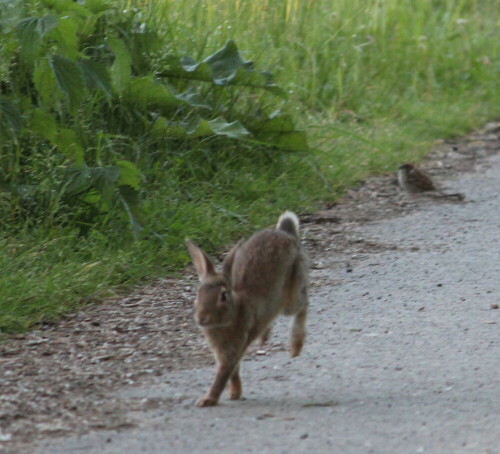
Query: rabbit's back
{"x": 263, "y": 262}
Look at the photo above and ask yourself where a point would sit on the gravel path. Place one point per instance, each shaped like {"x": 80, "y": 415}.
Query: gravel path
{"x": 403, "y": 353}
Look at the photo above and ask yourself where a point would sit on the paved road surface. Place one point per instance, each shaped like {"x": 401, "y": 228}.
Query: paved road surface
{"x": 403, "y": 355}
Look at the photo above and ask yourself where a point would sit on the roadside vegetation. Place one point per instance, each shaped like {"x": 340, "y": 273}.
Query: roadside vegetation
{"x": 127, "y": 126}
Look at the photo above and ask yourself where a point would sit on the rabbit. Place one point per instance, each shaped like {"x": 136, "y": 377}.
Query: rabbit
{"x": 260, "y": 279}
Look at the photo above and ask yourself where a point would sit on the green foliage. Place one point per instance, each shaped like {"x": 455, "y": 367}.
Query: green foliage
{"x": 11, "y": 121}
{"x": 121, "y": 68}
{"x": 88, "y": 75}
{"x": 199, "y": 127}
{"x": 224, "y": 67}
{"x": 69, "y": 79}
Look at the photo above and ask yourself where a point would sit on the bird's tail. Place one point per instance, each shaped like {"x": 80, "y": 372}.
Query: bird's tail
{"x": 452, "y": 195}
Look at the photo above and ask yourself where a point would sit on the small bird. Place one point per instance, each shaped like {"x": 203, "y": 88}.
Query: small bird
{"x": 414, "y": 181}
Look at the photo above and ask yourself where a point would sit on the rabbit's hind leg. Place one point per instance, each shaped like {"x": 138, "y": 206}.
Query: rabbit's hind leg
{"x": 296, "y": 302}
{"x": 298, "y": 333}
{"x": 235, "y": 388}
{"x": 295, "y": 288}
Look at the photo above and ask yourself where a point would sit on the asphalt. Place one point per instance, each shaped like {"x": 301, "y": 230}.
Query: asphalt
{"x": 403, "y": 354}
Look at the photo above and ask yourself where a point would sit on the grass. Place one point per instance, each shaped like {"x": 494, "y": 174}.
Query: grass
{"x": 373, "y": 83}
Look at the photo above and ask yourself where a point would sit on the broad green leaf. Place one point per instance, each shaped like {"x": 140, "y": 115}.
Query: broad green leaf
{"x": 129, "y": 174}
{"x": 30, "y": 31}
{"x": 100, "y": 186}
{"x": 104, "y": 180}
{"x": 130, "y": 201}
{"x": 224, "y": 67}
{"x": 226, "y": 62}
{"x": 11, "y": 121}
{"x": 163, "y": 128}
{"x": 44, "y": 124}
{"x": 98, "y": 6}
{"x": 143, "y": 90}
{"x": 29, "y": 37}
{"x": 82, "y": 178}
{"x": 77, "y": 179}
{"x": 68, "y": 6}
{"x": 276, "y": 122}
{"x": 193, "y": 99}
{"x": 45, "y": 84}
{"x": 69, "y": 79}
{"x": 68, "y": 144}
{"x": 93, "y": 198}
{"x": 234, "y": 130}
{"x": 199, "y": 128}
{"x": 46, "y": 24}
{"x": 279, "y": 130}
{"x": 121, "y": 68}
{"x": 96, "y": 76}
{"x": 187, "y": 67}
{"x": 65, "y": 34}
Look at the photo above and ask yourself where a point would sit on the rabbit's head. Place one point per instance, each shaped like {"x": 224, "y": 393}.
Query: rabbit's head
{"x": 214, "y": 307}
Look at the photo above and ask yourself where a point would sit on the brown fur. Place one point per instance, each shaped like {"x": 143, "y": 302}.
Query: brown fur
{"x": 261, "y": 278}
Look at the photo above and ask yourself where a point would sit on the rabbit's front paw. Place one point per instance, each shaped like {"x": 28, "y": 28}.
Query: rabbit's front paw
{"x": 234, "y": 394}
{"x": 206, "y": 402}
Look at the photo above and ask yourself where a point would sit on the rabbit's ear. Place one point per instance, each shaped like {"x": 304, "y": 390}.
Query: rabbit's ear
{"x": 201, "y": 262}
{"x": 228, "y": 261}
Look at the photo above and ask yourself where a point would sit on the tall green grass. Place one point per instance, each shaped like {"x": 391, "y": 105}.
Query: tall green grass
{"x": 373, "y": 84}
{"x": 346, "y": 54}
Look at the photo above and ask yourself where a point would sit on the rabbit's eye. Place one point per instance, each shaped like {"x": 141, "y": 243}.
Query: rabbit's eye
{"x": 223, "y": 297}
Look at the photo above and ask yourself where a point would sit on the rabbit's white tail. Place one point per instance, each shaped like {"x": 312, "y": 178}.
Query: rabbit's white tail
{"x": 289, "y": 223}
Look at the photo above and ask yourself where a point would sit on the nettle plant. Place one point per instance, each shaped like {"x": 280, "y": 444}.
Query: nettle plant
{"x": 90, "y": 95}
